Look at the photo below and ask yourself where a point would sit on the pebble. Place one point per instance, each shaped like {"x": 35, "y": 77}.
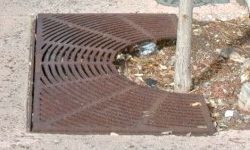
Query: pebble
{"x": 225, "y": 52}
{"x": 151, "y": 82}
{"x": 147, "y": 48}
{"x": 229, "y": 113}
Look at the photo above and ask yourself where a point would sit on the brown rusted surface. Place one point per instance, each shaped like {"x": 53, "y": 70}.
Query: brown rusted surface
{"x": 77, "y": 88}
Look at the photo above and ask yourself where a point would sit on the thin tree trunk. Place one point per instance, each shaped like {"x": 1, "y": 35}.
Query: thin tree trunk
{"x": 183, "y": 48}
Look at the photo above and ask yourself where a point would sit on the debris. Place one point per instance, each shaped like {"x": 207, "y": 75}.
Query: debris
{"x": 244, "y": 97}
{"x": 167, "y": 133}
{"x": 138, "y": 75}
{"x": 202, "y": 127}
{"x": 120, "y": 57}
{"x": 236, "y": 57}
{"x": 239, "y": 33}
{"x": 212, "y": 103}
{"x": 215, "y": 115}
{"x": 114, "y": 134}
{"x": 229, "y": 113}
{"x": 197, "y": 31}
{"x": 225, "y": 52}
{"x": 222, "y": 125}
{"x": 196, "y": 104}
{"x": 220, "y": 103}
{"x": 172, "y": 61}
{"x": 162, "y": 67}
{"x": 230, "y": 53}
{"x": 146, "y": 114}
{"x": 123, "y": 56}
{"x": 151, "y": 82}
{"x": 246, "y": 118}
{"x": 139, "y": 79}
{"x": 215, "y": 124}
{"x": 217, "y": 79}
{"x": 147, "y": 48}
{"x": 188, "y": 134}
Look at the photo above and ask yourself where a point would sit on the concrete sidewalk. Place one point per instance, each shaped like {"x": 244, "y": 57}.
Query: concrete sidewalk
{"x": 16, "y": 27}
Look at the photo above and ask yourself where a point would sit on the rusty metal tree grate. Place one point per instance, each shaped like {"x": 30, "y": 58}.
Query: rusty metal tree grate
{"x": 77, "y": 88}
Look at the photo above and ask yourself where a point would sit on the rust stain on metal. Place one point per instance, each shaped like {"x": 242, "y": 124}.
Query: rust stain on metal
{"x": 77, "y": 88}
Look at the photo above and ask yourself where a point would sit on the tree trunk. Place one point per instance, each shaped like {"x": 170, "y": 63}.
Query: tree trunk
{"x": 183, "y": 48}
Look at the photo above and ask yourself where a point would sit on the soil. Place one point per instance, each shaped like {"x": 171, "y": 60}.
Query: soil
{"x": 215, "y": 77}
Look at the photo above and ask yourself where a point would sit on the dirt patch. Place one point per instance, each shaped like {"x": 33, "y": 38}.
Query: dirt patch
{"x": 215, "y": 77}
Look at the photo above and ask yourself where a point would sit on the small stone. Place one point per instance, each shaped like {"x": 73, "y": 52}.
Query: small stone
{"x": 151, "y": 82}
{"x": 244, "y": 97}
{"x": 229, "y": 113}
{"x": 147, "y": 48}
{"x": 225, "y": 52}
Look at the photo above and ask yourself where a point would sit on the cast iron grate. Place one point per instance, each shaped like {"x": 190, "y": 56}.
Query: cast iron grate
{"x": 77, "y": 88}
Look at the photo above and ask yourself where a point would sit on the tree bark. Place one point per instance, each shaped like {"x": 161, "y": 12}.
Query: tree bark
{"x": 183, "y": 81}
